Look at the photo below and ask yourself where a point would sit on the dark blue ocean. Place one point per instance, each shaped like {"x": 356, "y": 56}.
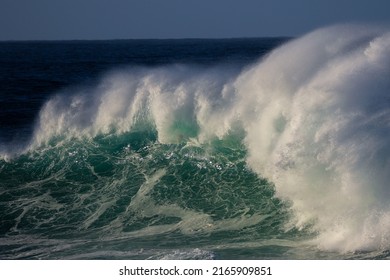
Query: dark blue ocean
{"x": 256, "y": 148}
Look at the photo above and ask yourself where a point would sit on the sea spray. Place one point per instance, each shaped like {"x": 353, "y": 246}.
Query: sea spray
{"x": 318, "y": 127}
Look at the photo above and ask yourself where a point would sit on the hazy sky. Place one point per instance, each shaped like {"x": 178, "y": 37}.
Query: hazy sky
{"x": 120, "y": 19}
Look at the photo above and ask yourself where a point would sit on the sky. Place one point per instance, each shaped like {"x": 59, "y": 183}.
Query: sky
{"x": 136, "y": 19}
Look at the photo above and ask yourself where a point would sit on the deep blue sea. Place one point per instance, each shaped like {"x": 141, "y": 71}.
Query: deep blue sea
{"x": 256, "y": 148}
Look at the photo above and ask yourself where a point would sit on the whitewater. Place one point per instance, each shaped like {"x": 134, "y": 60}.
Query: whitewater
{"x": 286, "y": 157}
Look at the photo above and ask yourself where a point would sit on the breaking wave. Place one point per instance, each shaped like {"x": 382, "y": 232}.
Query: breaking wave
{"x": 313, "y": 117}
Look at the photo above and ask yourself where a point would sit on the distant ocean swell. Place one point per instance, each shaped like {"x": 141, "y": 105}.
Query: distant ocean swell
{"x": 294, "y": 148}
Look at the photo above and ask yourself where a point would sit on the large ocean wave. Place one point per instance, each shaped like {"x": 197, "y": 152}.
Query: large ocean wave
{"x": 312, "y": 117}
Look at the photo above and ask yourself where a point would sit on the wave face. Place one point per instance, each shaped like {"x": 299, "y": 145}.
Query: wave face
{"x": 292, "y": 152}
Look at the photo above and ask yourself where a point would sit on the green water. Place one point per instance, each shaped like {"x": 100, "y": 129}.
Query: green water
{"x": 130, "y": 196}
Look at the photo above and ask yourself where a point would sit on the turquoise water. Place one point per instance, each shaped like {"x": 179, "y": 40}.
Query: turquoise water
{"x": 131, "y": 196}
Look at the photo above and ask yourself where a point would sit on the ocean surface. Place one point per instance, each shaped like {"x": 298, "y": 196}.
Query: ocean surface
{"x": 257, "y": 148}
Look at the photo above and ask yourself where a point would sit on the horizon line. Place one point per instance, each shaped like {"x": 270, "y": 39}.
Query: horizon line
{"x": 148, "y": 39}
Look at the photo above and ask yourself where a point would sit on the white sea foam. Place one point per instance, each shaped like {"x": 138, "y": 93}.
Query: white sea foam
{"x": 316, "y": 113}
